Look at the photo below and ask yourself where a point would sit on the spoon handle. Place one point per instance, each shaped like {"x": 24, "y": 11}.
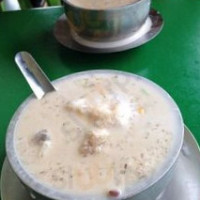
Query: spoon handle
{"x": 36, "y": 78}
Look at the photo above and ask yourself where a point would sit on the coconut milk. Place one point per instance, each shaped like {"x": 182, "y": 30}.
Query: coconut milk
{"x": 97, "y": 134}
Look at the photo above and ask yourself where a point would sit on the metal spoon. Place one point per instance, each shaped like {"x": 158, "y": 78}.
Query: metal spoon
{"x": 36, "y": 78}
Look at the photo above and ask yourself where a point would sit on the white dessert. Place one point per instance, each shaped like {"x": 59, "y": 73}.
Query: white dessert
{"x": 103, "y": 4}
{"x": 97, "y": 134}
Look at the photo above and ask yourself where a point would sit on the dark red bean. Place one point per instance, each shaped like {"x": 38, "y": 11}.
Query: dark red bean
{"x": 114, "y": 193}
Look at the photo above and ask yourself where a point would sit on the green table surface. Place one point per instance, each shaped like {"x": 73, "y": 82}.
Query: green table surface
{"x": 172, "y": 59}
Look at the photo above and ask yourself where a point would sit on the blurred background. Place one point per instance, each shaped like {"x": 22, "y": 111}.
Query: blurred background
{"x": 8, "y": 5}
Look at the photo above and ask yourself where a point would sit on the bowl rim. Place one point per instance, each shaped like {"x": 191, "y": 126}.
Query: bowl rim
{"x": 51, "y": 192}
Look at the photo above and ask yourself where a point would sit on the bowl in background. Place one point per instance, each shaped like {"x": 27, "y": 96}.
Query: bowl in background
{"x": 109, "y": 24}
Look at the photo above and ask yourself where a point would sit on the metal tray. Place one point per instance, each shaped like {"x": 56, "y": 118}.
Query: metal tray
{"x": 147, "y": 32}
{"x": 185, "y": 184}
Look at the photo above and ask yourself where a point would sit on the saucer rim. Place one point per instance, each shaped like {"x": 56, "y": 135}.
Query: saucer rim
{"x": 157, "y": 24}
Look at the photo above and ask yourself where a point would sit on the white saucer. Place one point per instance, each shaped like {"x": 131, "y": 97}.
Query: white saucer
{"x": 185, "y": 184}
{"x": 147, "y": 32}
